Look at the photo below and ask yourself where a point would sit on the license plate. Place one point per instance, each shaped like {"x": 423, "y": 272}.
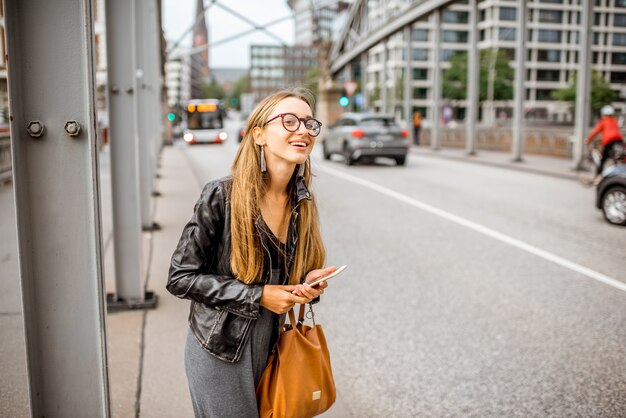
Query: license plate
{"x": 384, "y": 137}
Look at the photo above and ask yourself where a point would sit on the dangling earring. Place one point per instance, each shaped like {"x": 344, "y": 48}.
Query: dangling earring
{"x": 301, "y": 169}
{"x": 263, "y": 164}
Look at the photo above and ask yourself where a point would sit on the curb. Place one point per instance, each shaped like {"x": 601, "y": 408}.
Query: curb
{"x": 508, "y": 166}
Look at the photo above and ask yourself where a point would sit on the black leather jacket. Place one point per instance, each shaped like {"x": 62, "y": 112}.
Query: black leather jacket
{"x": 222, "y": 307}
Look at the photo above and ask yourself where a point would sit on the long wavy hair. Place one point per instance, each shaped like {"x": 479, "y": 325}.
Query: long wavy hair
{"x": 248, "y": 188}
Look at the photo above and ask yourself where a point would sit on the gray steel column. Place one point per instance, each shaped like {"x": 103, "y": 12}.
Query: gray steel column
{"x": 583, "y": 82}
{"x": 348, "y": 77}
{"x": 435, "y": 130}
{"x": 120, "y": 23}
{"x": 145, "y": 109}
{"x": 383, "y": 91}
{"x": 156, "y": 82}
{"x": 408, "y": 114}
{"x": 55, "y": 163}
{"x": 365, "y": 79}
{"x": 473, "y": 75}
{"x": 517, "y": 139}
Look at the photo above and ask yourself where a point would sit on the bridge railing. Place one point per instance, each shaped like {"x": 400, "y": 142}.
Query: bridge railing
{"x": 6, "y": 167}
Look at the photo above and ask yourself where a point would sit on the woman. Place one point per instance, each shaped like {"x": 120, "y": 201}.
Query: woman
{"x": 253, "y": 239}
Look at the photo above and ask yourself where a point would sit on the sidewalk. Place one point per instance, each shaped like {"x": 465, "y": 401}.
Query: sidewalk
{"x": 538, "y": 164}
{"x": 145, "y": 348}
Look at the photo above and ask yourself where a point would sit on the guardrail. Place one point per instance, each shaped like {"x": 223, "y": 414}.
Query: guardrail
{"x": 6, "y": 167}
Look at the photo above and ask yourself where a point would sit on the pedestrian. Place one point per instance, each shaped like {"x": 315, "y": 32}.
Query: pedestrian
{"x": 417, "y": 125}
{"x": 611, "y": 137}
{"x": 253, "y": 239}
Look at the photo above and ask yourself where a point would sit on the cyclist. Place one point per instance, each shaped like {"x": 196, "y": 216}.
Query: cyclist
{"x": 611, "y": 136}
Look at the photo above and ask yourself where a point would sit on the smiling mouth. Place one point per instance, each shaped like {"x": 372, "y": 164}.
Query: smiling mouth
{"x": 299, "y": 144}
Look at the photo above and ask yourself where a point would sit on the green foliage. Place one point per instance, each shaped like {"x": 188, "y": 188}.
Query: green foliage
{"x": 239, "y": 87}
{"x": 311, "y": 79}
{"x": 374, "y": 94}
{"x": 455, "y": 77}
{"x": 601, "y": 93}
{"x": 213, "y": 90}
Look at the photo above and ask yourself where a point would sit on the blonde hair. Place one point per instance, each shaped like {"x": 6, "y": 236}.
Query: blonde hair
{"x": 248, "y": 188}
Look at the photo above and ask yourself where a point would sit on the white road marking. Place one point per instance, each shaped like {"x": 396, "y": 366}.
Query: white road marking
{"x": 592, "y": 274}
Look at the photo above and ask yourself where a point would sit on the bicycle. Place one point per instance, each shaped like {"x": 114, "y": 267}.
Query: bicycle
{"x": 591, "y": 160}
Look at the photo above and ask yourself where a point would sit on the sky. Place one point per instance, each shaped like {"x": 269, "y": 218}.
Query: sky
{"x": 179, "y": 15}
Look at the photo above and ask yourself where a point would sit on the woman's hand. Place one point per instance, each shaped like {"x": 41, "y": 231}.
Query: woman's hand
{"x": 309, "y": 292}
{"x": 279, "y": 299}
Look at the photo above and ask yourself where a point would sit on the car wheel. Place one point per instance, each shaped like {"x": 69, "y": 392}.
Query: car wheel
{"x": 614, "y": 205}
{"x": 347, "y": 155}
{"x": 325, "y": 152}
{"x": 401, "y": 160}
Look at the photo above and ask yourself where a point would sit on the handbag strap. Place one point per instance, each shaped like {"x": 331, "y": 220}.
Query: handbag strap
{"x": 292, "y": 316}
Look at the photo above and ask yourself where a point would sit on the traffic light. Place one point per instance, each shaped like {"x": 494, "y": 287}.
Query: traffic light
{"x": 171, "y": 117}
{"x": 344, "y": 101}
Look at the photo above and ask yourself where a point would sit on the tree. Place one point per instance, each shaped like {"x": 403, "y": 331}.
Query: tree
{"x": 311, "y": 79}
{"x": 601, "y": 93}
{"x": 213, "y": 90}
{"x": 239, "y": 87}
{"x": 455, "y": 77}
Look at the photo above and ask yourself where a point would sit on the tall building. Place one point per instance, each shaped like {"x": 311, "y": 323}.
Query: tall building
{"x": 273, "y": 67}
{"x": 200, "y": 72}
{"x": 552, "y": 51}
{"x": 178, "y": 78}
{"x": 313, "y": 19}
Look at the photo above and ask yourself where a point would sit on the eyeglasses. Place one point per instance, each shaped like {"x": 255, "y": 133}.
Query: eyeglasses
{"x": 292, "y": 123}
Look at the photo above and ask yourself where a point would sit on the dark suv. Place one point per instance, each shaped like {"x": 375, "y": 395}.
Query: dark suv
{"x": 364, "y": 136}
{"x": 611, "y": 195}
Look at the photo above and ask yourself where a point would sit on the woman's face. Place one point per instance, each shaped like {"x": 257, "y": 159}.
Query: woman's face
{"x": 282, "y": 146}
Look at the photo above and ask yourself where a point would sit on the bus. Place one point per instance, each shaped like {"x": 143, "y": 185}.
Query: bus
{"x": 204, "y": 122}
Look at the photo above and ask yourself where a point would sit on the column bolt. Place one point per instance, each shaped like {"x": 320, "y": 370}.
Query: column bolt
{"x": 35, "y": 128}
{"x": 72, "y": 128}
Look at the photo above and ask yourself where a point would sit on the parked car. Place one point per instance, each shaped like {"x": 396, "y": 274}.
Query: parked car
{"x": 365, "y": 136}
{"x": 611, "y": 195}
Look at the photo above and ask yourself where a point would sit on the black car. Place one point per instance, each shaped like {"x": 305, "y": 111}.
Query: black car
{"x": 364, "y": 136}
{"x": 611, "y": 195}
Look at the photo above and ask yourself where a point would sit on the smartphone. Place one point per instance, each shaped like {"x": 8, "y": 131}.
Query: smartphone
{"x": 328, "y": 277}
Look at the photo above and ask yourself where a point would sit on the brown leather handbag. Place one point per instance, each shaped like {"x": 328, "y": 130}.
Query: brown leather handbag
{"x": 297, "y": 381}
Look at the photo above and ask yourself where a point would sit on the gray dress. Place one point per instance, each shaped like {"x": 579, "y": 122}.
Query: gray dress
{"x": 221, "y": 389}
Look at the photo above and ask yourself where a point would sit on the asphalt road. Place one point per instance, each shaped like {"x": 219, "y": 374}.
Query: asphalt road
{"x": 471, "y": 291}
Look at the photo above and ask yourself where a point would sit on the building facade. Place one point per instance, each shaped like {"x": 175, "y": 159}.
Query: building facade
{"x": 273, "y": 67}
{"x": 551, "y": 63}
{"x": 178, "y": 78}
{"x": 314, "y": 19}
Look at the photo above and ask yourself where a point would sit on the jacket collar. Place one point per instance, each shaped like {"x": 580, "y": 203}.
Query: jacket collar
{"x": 301, "y": 192}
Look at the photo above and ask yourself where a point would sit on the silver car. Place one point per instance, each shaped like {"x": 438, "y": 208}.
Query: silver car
{"x": 364, "y": 136}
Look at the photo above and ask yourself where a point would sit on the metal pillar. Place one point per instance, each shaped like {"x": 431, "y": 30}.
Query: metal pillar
{"x": 365, "y": 78}
{"x": 583, "y": 82}
{"x": 473, "y": 75}
{"x": 120, "y": 24}
{"x": 383, "y": 92}
{"x": 408, "y": 114}
{"x": 145, "y": 109}
{"x": 348, "y": 77}
{"x": 156, "y": 81}
{"x": 435, "y": 130}
{"x": 517, "y": 139}
{"x": 53, "y": 126}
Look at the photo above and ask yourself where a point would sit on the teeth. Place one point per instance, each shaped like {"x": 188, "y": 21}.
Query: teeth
{"x": 298, "y": 144}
